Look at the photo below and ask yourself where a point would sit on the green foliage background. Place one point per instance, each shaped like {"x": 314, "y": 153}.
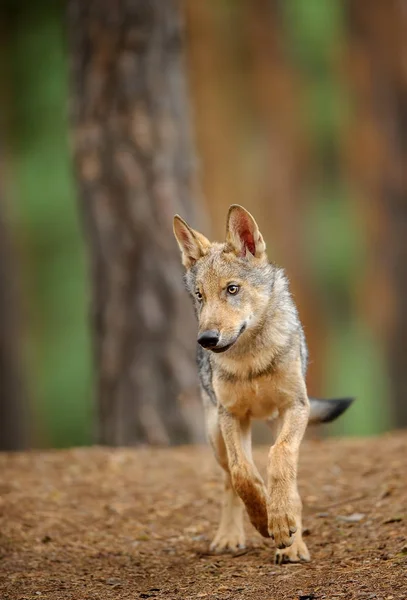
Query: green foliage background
{"x": 58, "y": 347}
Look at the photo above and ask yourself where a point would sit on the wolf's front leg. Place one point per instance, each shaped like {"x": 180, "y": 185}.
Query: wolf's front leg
{"x": 284, "y": 504}
{"x": 245, "y": 478}
{"x": 298, "y": 550}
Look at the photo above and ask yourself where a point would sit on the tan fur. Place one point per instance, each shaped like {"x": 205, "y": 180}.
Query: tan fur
{"x": 260, "y": 376}
{"x": 261, "y": 399}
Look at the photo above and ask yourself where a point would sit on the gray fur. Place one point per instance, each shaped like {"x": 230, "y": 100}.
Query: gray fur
{"x": 205, "y": 372}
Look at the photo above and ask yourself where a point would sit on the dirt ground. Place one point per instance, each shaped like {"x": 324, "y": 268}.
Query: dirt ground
{"x": 95, "y": 524}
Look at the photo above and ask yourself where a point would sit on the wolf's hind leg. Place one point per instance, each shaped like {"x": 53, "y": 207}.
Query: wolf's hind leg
{"x": 230, "y": 534}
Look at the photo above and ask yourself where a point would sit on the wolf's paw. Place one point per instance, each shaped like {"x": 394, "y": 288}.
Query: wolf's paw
{"x": 297, "y": 552}
{"x": 228, "y": 540}
{"x": 281, "y": 526}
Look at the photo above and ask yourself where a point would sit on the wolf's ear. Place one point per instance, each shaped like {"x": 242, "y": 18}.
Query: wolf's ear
{"x": 193, "y": 245}
{"x": 243, "y": 234}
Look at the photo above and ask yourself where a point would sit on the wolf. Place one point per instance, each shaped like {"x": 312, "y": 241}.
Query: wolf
{"x": 252, "y": 360}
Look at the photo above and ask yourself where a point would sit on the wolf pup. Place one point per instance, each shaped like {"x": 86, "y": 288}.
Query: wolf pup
{"x": 252, "y": 360}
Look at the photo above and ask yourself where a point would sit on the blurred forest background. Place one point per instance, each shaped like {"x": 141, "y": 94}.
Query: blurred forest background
{"x": 115, "y": 115}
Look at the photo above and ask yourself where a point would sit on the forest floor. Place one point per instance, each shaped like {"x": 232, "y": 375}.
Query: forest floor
{"x": 96, "y": 524}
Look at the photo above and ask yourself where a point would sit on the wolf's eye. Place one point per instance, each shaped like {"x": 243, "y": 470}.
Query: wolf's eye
{"x": 198, "y": 296}
{"x": 232, "y": 289}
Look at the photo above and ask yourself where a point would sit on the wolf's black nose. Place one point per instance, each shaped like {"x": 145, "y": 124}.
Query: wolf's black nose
{"x": 208, "y": 339}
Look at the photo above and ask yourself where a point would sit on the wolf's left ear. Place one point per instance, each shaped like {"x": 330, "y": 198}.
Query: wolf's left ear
{"x": 243, "y": 234}
{"x": 193, "y": 245}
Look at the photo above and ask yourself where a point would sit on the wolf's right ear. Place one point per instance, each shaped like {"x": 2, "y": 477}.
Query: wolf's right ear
{"x": 243, "y": 234}
{"x": 193, "y": 245}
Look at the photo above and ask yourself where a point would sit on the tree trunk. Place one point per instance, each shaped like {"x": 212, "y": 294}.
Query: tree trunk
{"x": 377, "y": 158}
{"x": 133, "y": 158}
{"x": 216, "y": 77}
{"x": 12, "y": 397}
{"x": 13, "y": 400}
{"x": 276, "y": 91}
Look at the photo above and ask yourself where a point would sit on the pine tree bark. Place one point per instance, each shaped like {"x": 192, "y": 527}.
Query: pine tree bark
{"x": 13, "y": 397}
{"x": 134, "y": 159}
{"x": 276, "y": 91}
{"x": 13, "y": 434}
{"x": 377, "y": 155}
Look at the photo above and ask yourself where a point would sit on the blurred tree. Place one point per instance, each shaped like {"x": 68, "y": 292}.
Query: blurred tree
{"x": 315, "y": 41}
{"x": 247, "y": 101}
{"x": 13, "y": 434}
{"x": 216, "y": 77}
{"x": 12, "y": 393}
{"x": 377, "y": 155}
{"x": 278, "y": 97}
{"x": 133, "y": 159}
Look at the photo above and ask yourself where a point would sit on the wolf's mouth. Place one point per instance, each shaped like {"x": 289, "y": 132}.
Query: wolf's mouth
{"x": 219, "y": 349}
{"x": 223, "y": 349}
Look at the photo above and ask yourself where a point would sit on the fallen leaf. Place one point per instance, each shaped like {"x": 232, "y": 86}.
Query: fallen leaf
{"x": 354, "y": 518}
{"x": 113, "y": 581}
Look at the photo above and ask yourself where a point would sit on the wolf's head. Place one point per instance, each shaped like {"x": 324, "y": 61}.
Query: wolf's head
{"x": 230, "y": 282}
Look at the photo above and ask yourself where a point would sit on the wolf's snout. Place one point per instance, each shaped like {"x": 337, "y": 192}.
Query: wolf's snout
{"x": 209, "y": 338}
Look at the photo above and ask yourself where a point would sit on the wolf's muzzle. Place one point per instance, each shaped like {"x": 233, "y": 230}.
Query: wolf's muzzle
{"x": 209, "y": 338}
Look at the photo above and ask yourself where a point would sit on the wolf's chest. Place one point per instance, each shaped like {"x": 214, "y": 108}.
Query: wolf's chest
{"x": 258, "y": 398}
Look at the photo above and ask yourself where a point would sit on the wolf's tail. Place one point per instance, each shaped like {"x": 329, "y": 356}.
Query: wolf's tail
{"x": 325, "y": 411}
